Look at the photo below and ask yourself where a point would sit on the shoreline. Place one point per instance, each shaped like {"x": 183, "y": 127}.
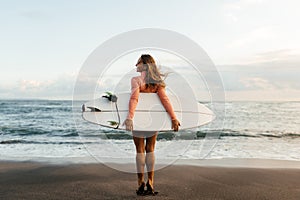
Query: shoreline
{"x": 36, "y": 180}
{"x": 224, "y": 162}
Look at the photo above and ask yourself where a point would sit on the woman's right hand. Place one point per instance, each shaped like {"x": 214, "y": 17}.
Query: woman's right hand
{"x": 175, "y": 124}
{"x": 129, "y": 124}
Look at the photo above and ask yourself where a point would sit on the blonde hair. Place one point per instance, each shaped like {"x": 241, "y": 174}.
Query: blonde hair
{"x": 153, "y": 77}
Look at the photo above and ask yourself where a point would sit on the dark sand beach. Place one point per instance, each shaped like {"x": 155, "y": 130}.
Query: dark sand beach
{"x": 25, "y": 180}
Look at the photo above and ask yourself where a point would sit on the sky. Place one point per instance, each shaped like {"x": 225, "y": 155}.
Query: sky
{"x": 254, "y": 44}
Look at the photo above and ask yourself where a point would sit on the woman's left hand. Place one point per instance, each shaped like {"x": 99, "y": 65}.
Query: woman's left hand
{"x": 129, "y": 124}
{"x": 175, "y": 125}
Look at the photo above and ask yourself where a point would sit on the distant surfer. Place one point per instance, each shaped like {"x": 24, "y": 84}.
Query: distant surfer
{"x": 150, "y": 81}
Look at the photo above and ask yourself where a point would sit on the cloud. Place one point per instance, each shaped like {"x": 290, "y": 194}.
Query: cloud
{"x": 257, "y": 83}
{"x": 266, "y": 75}
{"x": 264, "y": 95}
{"x": 241, "y": 77}
{"x": 66, "y": 86}
{"x": 59, "y": 88}
{"x": 30, "y": 85}
{"x": 260, "y": 34}
{"x": 232, "y": 10}
{"x": 267, "y": 72}
{"x": 231, "y": 17}
{"x": 282, "y": 56}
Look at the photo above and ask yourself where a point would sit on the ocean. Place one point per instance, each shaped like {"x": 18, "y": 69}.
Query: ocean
{"x": 45, "y": 130}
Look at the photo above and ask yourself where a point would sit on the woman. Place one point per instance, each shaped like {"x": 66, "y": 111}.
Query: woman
{"x": 149, "y": 81}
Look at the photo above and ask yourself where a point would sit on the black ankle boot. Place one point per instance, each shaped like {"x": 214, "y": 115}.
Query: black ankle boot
{"x": 150, "y": 190}
{"x": 141, "y": 190}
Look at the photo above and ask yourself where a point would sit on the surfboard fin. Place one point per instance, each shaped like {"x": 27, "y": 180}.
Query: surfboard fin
{"x": 113, "y": 123}
{"x": 93, "y": 109}
{"x": 110, "y": 97}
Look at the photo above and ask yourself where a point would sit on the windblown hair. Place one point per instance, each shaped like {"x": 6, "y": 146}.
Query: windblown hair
{"x": 153, "y": 76}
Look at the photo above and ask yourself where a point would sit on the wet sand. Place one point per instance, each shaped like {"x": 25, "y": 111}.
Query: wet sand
{"x": 26, "y": 180}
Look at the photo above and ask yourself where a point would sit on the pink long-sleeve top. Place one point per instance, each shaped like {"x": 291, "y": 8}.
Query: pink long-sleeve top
{"x": 138, "y": 85}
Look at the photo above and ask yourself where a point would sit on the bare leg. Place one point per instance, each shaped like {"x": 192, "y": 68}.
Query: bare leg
{"x": 150, "y": 157}
{"x": 140, "y": 158}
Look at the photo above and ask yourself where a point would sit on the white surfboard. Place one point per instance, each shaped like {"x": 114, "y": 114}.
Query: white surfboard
{"x": 150, "y": 115}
